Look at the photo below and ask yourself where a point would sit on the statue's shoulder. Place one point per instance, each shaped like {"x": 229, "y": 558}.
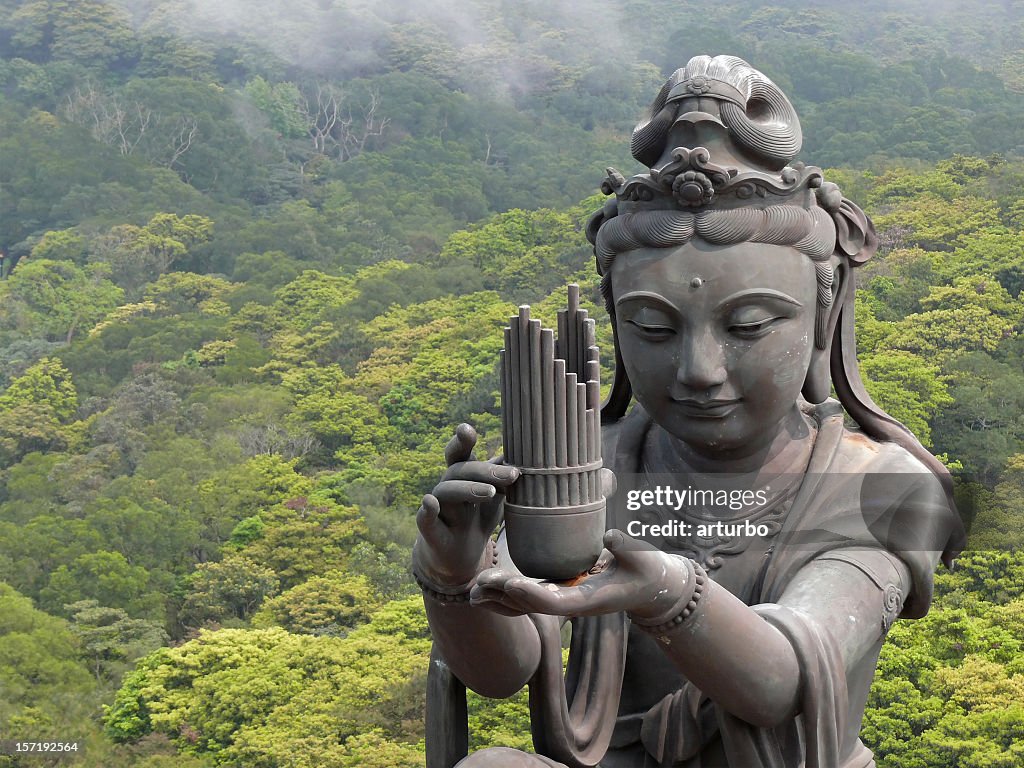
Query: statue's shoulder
{"x": 856, "y": 451}
{"x": 869, "y": 493}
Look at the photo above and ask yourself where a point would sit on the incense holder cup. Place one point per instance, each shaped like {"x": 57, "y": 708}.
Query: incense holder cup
{"x": 556, "y": 542}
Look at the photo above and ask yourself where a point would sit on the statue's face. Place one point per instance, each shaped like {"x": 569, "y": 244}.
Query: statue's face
{"x": 716, "y": 339}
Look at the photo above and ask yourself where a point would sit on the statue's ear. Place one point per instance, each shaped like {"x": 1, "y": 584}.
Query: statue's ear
{"x": 818, "y": 382}
{"x": 855, "y": 232}
{"x": 856, "y": 243}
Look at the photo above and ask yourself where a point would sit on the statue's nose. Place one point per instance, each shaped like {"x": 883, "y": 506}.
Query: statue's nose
{"x": 701, "y": 363}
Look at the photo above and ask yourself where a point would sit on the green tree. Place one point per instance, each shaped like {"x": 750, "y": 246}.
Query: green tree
{"x": 331, "y": 604}
{"x": 222, "y": 498}
{"x": 109, "y": 579}
{"x": 34, "y": 410}
{"x": 45, "y": 686}
{"x": 983, "y": 425}
{"x": 907, "y": 387}
{"x": 303, "y": 331}
{"x": 167, "y": 55}
{"x": 251, "y": 696}
{"x": 141, "y": 254}
{"x": 514, "y": 248}
{"x": 231, "y": 589}
{"x": 46, "y": 383}
{"x": 340, "y": 418}
{"x": 55, "y": 299}
{"x": 110, "y": 640}
{"x": 1000, "y": 524}
{"x": 306, "y": 536}
{"x": 147, "y": 531}
{"x": 89, "y": 34}
{"x": 281, "y": 103}
{"x": 62, "y": 245}
{"x": 999, "y": 252}
{"x": 186, "y": 292}
{"x": 939, "y": 224}
{"x": 974, "y": 314}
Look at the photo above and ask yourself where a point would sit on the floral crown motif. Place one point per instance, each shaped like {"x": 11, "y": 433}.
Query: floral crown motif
{"x": 690, "y": 180}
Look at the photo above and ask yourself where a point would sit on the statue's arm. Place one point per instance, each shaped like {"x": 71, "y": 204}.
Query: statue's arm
{"x": 750, "y": 667}
{"x": 738, "y": 655}
{"x": 491, "y": 653}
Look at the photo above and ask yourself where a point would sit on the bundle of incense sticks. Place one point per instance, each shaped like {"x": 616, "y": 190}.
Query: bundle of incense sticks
{"x": 551, "y": 413}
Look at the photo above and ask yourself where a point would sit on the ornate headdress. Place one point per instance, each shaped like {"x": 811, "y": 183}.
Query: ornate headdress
{"x": 720, "y": 137}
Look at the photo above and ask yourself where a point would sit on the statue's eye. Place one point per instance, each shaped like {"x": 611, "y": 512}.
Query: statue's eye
{"x": 652, "y": 331}
{"x": 753, "y": 328}
{"x": 752, "y": 322}
{"x": 652, "y": 323}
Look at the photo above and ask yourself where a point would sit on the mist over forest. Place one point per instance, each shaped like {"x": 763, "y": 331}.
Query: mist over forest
{"x": 254, "y": 262}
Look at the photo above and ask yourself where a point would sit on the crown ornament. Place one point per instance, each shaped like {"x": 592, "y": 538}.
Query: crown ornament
{"x": 720, "y": 134}
{"x": 692, "y": 181}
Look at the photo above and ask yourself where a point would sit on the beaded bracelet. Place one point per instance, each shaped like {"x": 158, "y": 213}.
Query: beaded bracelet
{"x": 689, "y": 604}
{"x": 460, "y": 592}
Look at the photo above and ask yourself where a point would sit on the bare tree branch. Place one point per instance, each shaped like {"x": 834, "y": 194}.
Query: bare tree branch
{"x": 268, "y": 439}
{"x": 357, "y": 130}
{"x": 180, "y": 142}
{"x": 109, "y": 120}
{"x": 323, "y": 116}
{"x": 338, "y": 129}
{"x": 124, "y": 125}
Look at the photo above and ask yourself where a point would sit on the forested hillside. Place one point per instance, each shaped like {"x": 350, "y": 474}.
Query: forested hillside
{"x": 254, "y": 262}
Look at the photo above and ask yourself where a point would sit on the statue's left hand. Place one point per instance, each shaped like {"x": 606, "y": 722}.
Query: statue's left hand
{"x": 629, "y": 576}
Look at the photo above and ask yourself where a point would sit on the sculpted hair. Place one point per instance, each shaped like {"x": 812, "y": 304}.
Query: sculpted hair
{"x": 809, "y": 231}
{"x": 756, "y": 112}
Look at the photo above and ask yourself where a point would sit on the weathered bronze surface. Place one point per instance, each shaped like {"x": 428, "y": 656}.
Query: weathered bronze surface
{"x": 728, "y": 629}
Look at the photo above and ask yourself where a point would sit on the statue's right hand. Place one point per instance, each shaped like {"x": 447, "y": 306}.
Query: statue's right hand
{"x": 458, "y": 518}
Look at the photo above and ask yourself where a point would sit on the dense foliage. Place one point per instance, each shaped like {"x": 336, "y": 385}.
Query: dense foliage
{"x": 248, "y": 286}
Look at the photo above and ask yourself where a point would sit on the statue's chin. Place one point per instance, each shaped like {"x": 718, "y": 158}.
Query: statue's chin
{"x": 731, "y": 437}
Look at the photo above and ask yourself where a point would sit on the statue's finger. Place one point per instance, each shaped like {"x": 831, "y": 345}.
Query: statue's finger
{"x": 608, "y": 482}
{"x": 625, "y": 547}
{"x": 494, "y": 600}
{"x": 494, "y": 578}
{"x": 540, "y": 597}
{"x": 427, "y": 518}
{"x": 530, "y": 596}
{"x": 498, "y": 475}
{"x": 463, "y": 492}
{"x": 460, "y": 447}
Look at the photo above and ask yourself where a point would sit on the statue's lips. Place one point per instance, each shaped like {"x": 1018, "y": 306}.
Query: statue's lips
{"x": 707, "y": 409}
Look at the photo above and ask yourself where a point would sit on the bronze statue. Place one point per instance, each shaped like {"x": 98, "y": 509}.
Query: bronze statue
{"x": 727, "y": 272}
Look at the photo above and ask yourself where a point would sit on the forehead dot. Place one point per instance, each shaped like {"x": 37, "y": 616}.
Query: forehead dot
{"x": 696, "y": 282}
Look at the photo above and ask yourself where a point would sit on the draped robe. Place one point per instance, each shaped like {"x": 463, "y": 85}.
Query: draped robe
{"x": 859, "y": 498}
